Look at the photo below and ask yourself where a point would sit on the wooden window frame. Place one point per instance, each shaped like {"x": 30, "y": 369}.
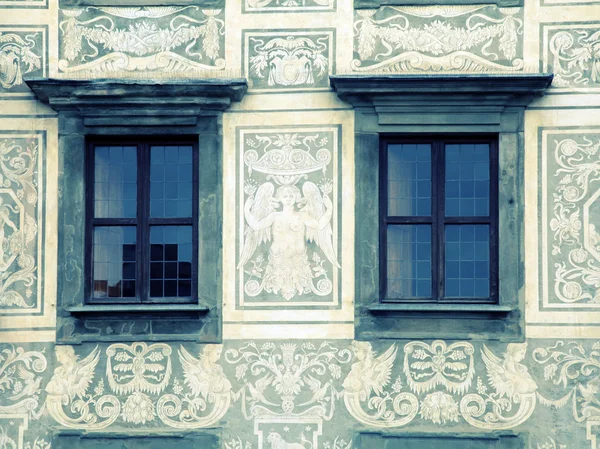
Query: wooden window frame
{"x": 437, "y": 219}
{"x": 142, "y": 221}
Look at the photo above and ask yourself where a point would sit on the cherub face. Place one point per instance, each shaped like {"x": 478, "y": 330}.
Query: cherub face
{"x": 288, "y": 195}
{"x": 64, "y": 354}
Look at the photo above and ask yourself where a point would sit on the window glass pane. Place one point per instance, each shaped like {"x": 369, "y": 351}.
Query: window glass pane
{"x": 170, "y": 261}
{"x": 115, "y": 182}
{"x": 171, "y": 181}
{"x": 467, "y": 180}
{"x": 114, "y": 260}
{"x": 408, "y": 261}
{"x": 409, "y": 179}
{"x": 467, "y": 261}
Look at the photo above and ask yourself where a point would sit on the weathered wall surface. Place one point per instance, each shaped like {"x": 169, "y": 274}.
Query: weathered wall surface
{"x": 288, "y": 369}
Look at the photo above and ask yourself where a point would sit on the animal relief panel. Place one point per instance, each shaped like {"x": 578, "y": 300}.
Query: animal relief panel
{"x": 290, "y": 60}
{"x": 288, "y": 247}
{"x": 168, "y": 39}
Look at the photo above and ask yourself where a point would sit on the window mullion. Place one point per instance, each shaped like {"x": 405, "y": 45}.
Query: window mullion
{"x": 143, "y": 210}
{"x": 440, "y": 215}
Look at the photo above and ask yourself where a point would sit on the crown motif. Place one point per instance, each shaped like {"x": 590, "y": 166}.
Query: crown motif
{"x": 284, "y": 159}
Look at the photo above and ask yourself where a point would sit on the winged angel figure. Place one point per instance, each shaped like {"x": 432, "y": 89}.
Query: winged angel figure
{"x": 72, "y": 378}
{"x": 370, "y": 373}
{"x": 508, "y": 376}
{"x": 204, "y": 376}
{"x": 288, "y": 271}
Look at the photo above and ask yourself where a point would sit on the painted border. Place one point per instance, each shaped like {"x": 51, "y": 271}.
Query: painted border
{"x": 24, "y": 4}
{"x": 567, "y": 3}
{"x": 286, "y": 9}
{"x": 337, "y": 218}
{"x": 246, "y": 34}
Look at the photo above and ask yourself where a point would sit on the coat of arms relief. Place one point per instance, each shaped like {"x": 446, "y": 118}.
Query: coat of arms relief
{"x": 288, "y": 250}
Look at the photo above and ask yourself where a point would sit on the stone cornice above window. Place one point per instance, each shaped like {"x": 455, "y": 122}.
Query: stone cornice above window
{"x": 477, "y": 101}
{"x": 140, "y": 103}
{"x": 372, "y": 4}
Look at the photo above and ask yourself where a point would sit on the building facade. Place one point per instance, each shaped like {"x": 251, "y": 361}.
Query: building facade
{"x": 336, "y": 224}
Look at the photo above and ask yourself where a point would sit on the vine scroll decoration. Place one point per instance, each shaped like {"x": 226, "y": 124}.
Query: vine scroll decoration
{"x": 465, "y": 38}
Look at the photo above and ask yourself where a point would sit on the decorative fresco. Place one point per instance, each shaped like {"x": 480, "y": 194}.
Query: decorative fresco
{"x": 23, "y": 52}
{"x": 283, "y": 6}
{"x": 572, "y": 53}
{"x": 570, "y": 214}
{"x": 298, "y": 394}
{"x": 438, "y": 38}
{"x": 169, "y": 39}
{"x": 288, "y": 60}
{"x": 288, "y": 218}
{"x": 20, "y": 174}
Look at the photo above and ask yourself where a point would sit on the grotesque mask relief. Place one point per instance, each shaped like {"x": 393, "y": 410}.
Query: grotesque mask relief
{"x": 288, "y": 250}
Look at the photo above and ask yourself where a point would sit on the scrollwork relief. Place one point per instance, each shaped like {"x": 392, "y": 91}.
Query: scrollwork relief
{"x": 19, "y": 55}
{"x": 18, "y": 222}
{"x": 574, "y": 56}
{"x": 438, "y": 38}
{"x": 170, "y": 39}
{"x": 575, "y": 208}
{"x": 21, "y": 374}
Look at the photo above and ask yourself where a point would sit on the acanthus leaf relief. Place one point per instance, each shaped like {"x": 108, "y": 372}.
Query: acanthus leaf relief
{"x": 18, "y": 227}
{"x": 169, "y": 39}
{"x": 19, "y": 55}
{"x": 575, "y": 204}
{"x": 289, "y": 247}
{"x": 575, "y": 57}
{"x": 21, "y": 374}
{"x": 459, "y": 38}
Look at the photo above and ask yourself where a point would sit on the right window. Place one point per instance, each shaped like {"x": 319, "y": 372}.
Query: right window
{"x": 439, "y": 219}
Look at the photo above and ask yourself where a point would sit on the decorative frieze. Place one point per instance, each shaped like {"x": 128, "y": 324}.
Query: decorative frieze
{"x": 283, "y": 6}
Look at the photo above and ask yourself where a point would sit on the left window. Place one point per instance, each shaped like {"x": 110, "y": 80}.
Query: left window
{"x": 141, "y": 220}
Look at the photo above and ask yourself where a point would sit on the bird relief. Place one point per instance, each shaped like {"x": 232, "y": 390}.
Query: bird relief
{"x": 69, "y": 401}
{"x": 365, "y": 387}
{"x": 288, "y": 249}
{"x": 514, "y": 388}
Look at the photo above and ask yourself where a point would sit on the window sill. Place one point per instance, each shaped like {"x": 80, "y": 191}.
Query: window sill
{"x": 138, "y": 310}
{"x": 387, "y": 308}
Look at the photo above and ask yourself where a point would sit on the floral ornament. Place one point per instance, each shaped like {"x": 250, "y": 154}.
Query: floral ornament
{"x": 142, "y": 45}
{"x": 17, "y": 57}
{"x": 19, "y": 380}
{"x": 138, "y": 409}
{"x": 427, "y": 366}
{"x": 578, "y": 168}
{"x": 338, "y": 443}
{"x": 38, "y": 443}
{"x": 236, "y": 443}
{"x": 18, "y": 228}
{"x": 395, "y": 43}
{"x": 68, "y": 400}
{"x": 551, "y": 444}
{"x": 439, "y": 408}
{"x": 576, "y": 57}
{"x": 366, "y": 384}
{"x": 292, "y": 371}
{"x": 512, "y": 385}
{"x": 571, "y": 366}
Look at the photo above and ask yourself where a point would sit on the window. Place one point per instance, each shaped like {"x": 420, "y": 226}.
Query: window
{"x": 438, "y": 208}
{"x": 142, "y": 220}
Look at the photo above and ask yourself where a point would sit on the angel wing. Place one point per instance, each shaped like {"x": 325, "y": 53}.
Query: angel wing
{"x": 195, "y": 377}
{"x": 496, "y": 373}
{"x": 260, "y": 209}
{"x": 383, "y": 369}
{"x": 82, "y": 374}
{"x": 315, "y": 208}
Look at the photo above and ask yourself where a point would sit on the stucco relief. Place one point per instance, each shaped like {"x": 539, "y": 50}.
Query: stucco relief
{"x": 288, "y": 250}
{"x": 573, "y": 53}
{"x": 22, "y": 53}
{"x": 282, "y": 6}
{"x": 288, "y": 60}
{"x": 575, "y": 210}
{"x": 438, "y": 38}
{"x": 170, "y": 39}
{"x": 18, "y": 222}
